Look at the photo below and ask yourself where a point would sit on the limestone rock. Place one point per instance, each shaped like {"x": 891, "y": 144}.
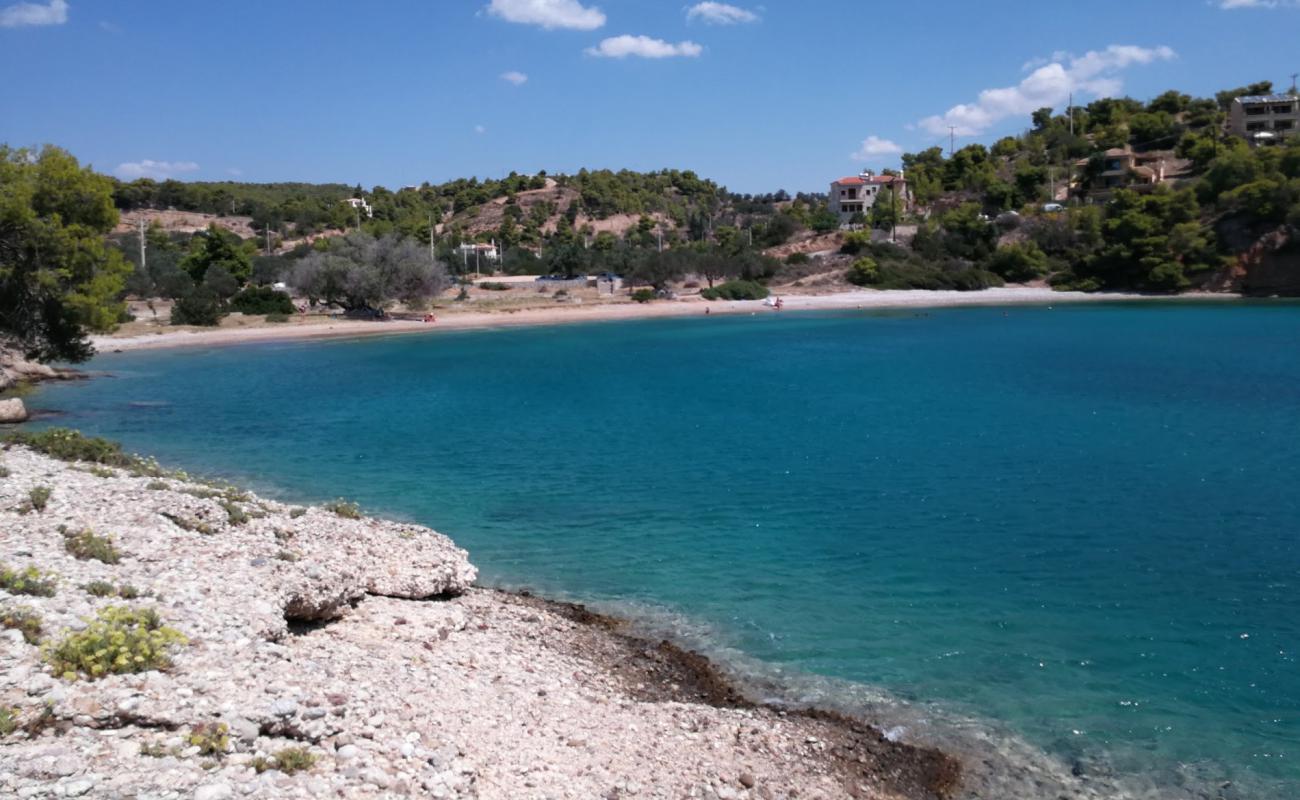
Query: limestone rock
{"x": 12, "y": 410}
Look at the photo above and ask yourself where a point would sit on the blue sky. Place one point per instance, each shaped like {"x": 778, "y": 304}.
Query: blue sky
{"x": 758, "y": 96}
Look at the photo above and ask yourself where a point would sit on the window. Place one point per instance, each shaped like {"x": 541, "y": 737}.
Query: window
{"x": 1255, "y": 126}
{"x": 1283, "y": 124}
{"x": 1255, "y": 111}
{"x": 1285, "y": 108}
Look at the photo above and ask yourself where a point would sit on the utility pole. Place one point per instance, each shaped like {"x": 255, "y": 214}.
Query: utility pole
{"x": 268, "y": 239}
{"x": 1071, "y": 107}
{"x": 1294, "y": 75}
{"x": 893, "y": 212}
{"x": 432, "y": 257}
{"x": 144, "y": 267}
{"x": 952, "y": 139}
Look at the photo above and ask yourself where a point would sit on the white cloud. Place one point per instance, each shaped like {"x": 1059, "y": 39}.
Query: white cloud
{"x": 1232, "y": 4}
{"x": 479, "y": 129}
{"x": 644, "y": 47}
{"x": 720, "y": 14}
{"x": 549, "y": 14}
{"x": 148, "y": 168}
{"x": 874, "y": 148}
{"x": 515, "y": 77}
{"x": 1095, "y": 73}
{"x": 20, "y": 15}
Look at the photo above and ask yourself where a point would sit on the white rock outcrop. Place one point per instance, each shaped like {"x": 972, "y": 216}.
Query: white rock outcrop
{"x": 364, "y": 642}
{"x": 12, "y": 410}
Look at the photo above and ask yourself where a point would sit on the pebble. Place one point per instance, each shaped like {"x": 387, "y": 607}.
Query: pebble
{"x": 348, "y": 752}
{"x": 214, "y": 791}
{"x": 65, "y": 766}
{"x": 78, "y": 787}
{"x": 376, "y": 776}
{"x": 284, "y": 707}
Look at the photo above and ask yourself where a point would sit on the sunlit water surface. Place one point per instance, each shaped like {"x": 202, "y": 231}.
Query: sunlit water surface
{"x": 1078, "y": 523}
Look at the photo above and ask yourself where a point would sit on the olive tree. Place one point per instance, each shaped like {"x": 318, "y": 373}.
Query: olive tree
{"x": 359, "y": 272}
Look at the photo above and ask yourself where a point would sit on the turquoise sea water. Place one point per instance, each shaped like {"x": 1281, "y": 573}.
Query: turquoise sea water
{"x": 1078, "y": 523}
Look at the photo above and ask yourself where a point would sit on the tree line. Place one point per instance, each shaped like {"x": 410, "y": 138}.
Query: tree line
{"x": 1165, "y": 237}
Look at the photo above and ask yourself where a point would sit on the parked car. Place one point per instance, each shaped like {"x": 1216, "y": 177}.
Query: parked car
{"x": 1052, "y": 208}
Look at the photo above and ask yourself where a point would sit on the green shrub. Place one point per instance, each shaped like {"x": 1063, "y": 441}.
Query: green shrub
{"x": 70, "y": 445}
{"x": 856, "y": 242}
{"x": 494, "y": 286}
{"x": 100, "y": 589}
{"x": 156, "y": 750}
{"x": 157, "y": 486}
{"x": 101, "y": 472}
{"x": 344, "y": 509}
{"x": 643, "y": 295}
{"x": 212, "y": 738}
{"x": 30, "y": 581}
{"x": 8, "y": 720}
{"x": 39, "y": 497}
{"x": 277, "y": 317}
{"x": 296, "y": 512}
{"x": 288, "y": 760}
{"x": 24, "y": 619}
{"x": 736, "y": 290}
{"x": 4, "y": 471}
{"x": 864, "y": 272}
{"x": 287, "y": 555}
{"x": 797, "y": 258}
{"x": 190, "y": 524}
{"x": 234, "y": 514}
{"x": 200, "y": 306}
{"x": 119, "y": 640}
{"x": 1018, "y": 262}
{"x": 261, "y": 300}
{"x": 87, "y": 546}
{"x": 105, "y": 589}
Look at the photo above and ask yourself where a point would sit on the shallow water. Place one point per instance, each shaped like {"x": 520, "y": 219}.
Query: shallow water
{"x": 1079, "y": 523}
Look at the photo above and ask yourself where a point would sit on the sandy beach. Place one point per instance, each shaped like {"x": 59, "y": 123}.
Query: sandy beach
{"x": 320, "y": 327}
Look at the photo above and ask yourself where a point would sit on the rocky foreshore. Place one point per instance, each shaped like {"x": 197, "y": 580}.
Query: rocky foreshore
{"x": 326, "y": 654}
{"x": 16, "y": 372}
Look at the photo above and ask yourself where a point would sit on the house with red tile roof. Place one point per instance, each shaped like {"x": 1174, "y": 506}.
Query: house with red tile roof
{"x": 856, "y": 194}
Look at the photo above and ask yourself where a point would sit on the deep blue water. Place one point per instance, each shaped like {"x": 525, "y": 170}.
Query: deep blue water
{"x": 1078, "y": 522}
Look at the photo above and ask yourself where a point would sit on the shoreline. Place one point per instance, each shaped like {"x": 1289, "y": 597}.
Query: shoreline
{"x": 456, "y": 320}
{"x": 369, "y": 645}
{"x": 362, "y": 599}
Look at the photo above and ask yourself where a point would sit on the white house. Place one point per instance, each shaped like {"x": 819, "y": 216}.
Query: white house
{"x": 1263, "y": 119}
{"x": 470, "y": 250}
{"x": 360, "y": 202}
